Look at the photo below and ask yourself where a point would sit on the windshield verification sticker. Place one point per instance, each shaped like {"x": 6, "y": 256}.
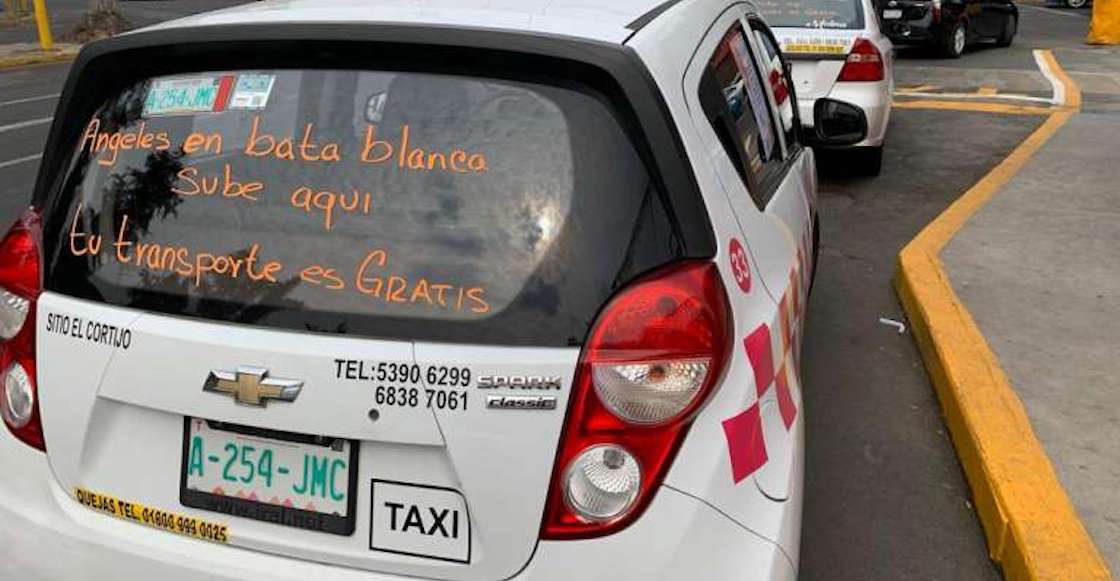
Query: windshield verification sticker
{"x": 251, "y": 91}
{"x": 177, "y": 96}
{"x": 418, "y": 520}
{"x": 153, "y": 517}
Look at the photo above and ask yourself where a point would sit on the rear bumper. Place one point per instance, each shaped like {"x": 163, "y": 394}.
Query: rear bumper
{"x": 920, "y": 31}
{"x": 873, "y": 98}
{"x": 47, "y": 535}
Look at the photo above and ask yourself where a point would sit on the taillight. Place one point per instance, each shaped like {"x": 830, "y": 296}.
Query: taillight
{"x": 936, "y": 5}
{"x": 864, "y": 63}
{"x": 653, "y": 357}
{"x": 20, "y": 285}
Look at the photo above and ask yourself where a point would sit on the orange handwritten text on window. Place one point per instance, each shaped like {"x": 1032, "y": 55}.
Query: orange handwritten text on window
{"x": 326, "y": 201}
{"x": 192, "y": 264}
{"x": 405, "y": 154}
{"x": 108, "y": 145}
{"x": 394, "y": 288}
{"x": 192, "y": 183}
{"x": 263, "y": 144}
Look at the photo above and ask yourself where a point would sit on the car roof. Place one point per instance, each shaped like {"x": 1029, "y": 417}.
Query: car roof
{"x": 607, "y": 21}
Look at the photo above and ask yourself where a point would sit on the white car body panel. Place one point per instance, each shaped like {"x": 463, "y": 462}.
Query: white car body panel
{"x": 113, "y": 419}
{"x": 114, "y": 422}
{"x": 817, "y": 78}
{"x": 49, "y": 536}
{"x": 701, "y": 467}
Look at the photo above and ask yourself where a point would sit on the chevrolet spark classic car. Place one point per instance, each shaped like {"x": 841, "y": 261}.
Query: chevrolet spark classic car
{"x": 334, "y": 290}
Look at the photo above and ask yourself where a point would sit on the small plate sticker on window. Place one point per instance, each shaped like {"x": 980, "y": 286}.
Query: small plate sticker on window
{"x": 181, "y": 95}
{"x": 252, "y": 91}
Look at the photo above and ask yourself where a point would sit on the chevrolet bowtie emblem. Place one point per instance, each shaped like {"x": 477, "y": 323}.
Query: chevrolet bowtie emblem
{"x": 252, "y": 386}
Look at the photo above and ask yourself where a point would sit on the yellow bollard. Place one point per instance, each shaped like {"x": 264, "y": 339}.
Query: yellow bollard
{"x": 1105, "y": 26}
{"x": 46, "y": 42}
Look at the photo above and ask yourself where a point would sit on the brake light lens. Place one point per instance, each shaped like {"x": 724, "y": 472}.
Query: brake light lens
{"x": 20, "y": 286}
{"x": 864, "y": 63}
{"x": 654, "y": 356}
{"x": 936, "y": 10}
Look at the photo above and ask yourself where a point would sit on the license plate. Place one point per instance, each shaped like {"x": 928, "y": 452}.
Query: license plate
{"x": 171, "y": 96}
{"x": 295, "y": 480}
{"x": 892, "y": 14}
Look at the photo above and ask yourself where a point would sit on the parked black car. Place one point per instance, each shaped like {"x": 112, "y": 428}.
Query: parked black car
{"x": 950, "y": 25}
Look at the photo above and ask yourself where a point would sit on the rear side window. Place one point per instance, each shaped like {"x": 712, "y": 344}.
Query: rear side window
{"x": 382, "y": 203}
{"x": 833, "y": 14}
{"x": 734, "y": 100}
{"x": 780, "y": 85}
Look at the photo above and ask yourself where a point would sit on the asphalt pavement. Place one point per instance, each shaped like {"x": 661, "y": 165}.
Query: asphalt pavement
{"x": 885, "y": 496}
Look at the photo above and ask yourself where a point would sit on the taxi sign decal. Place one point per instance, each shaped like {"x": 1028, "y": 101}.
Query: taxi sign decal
{"x": 153, "y": 517}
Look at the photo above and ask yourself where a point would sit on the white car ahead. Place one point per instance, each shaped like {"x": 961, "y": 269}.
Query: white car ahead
{"x": 838, "y": 50}
{"x": 325, "y": 290}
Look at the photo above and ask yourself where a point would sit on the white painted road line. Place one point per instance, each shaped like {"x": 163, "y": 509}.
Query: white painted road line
{"x": 28, "y": 100}
{"x": 11, "y": 162}
{"x": 1058, "y": 87}
{"x": 22, "y": 124}
{"x": 1071, "y": 13}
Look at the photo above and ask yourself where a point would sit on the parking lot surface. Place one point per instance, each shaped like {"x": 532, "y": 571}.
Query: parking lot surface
{"x": 885, "y": 496}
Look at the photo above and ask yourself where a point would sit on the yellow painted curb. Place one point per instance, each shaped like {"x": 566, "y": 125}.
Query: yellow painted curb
{"x": 1032, "y": 528}
{"x": 24, "y": 59}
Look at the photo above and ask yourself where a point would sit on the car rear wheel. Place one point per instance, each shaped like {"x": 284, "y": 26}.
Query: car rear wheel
{"x": 1076, "y": 3}
{"x": 1007, "y": 35}
{"x": 953, "y": 44}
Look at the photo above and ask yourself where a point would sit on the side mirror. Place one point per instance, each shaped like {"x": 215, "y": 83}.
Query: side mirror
{"x": 836, "y": 123}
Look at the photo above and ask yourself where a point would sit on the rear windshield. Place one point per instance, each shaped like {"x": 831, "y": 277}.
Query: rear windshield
{"x": 831, "y": 14}
{"x": 389, "y": 204}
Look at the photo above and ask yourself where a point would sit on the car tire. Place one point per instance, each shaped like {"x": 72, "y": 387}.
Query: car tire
{"x": 1076, "y": 3}
{"x": 1007, "y": 35}
{"x": 869, "y": 160}
{"x": 952, "y": 45}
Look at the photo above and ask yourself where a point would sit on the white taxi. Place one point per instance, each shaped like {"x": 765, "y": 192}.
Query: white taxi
{"x": 838, "y": 50}
{"x": 329, "y": 290}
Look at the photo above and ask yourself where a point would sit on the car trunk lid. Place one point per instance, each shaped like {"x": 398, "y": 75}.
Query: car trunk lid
{"x": 114, "y": 420}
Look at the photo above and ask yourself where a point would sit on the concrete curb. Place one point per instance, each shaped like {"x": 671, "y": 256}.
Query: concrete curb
{"x": 23, "y": 59}
{"x": 1031, "y": 526}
